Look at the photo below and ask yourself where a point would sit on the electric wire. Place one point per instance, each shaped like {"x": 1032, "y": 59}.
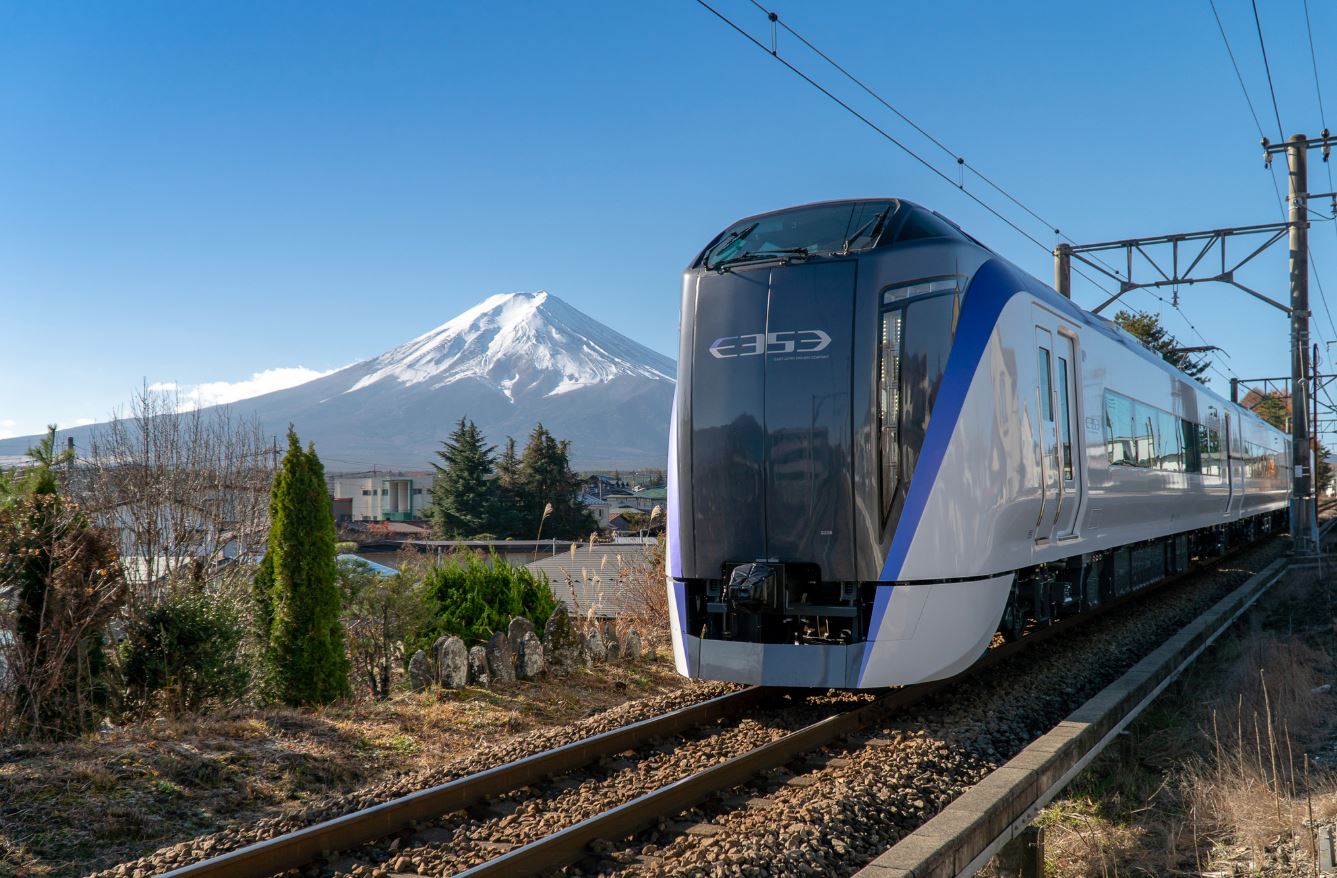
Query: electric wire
{"x": 774, "y": 53}
{"x": 871, "y": 124}
{"x": 927, "y": 164}
{"x": 1323, "y": 119}
{"x": 960, "y": 159}
{"x": 1281, "y": 130}
{"x": 1248, "y": 100}
{"x": 1239, "y": 76}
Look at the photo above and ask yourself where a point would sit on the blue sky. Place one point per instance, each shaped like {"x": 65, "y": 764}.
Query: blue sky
{"x": 197, "y": 192}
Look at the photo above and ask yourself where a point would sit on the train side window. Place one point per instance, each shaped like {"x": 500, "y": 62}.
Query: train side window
{"x": 889, "y": 404}
{"x": 1144, "y": 434}
{"x": 1169, "y": 453}
{"x": 1118, "y": 430}
{"x": 1046, "y": 387}
{"x": 1064, "y": 423}
{"x": 1192, "y": 459}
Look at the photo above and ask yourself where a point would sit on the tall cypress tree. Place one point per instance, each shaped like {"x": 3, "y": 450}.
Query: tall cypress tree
{"x": 305, "y": 640}
{"x": 545, "y": 473}
{"x": 464, "y": 496}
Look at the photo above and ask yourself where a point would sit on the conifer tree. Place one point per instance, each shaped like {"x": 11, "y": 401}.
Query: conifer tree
{"x": 305, "y": 640}
{"x": 1148, "y": 330}
{"x": 68, "y": 583}
{"x": 545, "y": 473}
{"x": 464, "y": 497}
{"x": 511, "y": 503}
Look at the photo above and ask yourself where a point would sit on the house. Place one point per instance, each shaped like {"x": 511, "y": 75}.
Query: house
{"x": 598, "y": 509}
{"x": 629, "y": 500}
{"x": 381, "y": 495}
{"x": 600, "y": 485}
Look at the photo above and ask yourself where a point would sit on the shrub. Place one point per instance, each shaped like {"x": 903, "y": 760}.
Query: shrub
{"x": 378, "y": 613}
{"x": 184, "y": 653}
{"x": 476, "y": 598}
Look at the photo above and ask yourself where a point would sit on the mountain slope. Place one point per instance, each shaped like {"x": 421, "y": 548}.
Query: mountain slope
{"x": 511, "y": 361}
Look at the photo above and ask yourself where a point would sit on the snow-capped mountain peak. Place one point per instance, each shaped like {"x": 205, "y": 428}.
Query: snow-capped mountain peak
{"x": 523, "y": 344}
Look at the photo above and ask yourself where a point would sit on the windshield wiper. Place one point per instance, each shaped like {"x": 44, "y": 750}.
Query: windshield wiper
{"x": 785, "y": 253}
{"x": 734, "y": 238}
{"x": 875, "y": 222}
{"x": 757, "y": 255}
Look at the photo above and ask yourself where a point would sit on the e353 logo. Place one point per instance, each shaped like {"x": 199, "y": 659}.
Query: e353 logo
{"x": 796, "y": 341}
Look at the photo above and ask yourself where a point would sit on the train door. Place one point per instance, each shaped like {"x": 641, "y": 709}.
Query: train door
{"x": 1234, "y": 466}
{"x": 1057, "y": 401}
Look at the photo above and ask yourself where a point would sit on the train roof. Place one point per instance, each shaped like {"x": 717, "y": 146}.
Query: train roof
{"x": 1037, "y": 287}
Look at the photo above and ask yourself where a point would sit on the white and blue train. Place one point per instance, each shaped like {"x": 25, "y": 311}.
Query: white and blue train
{"x": 889, "y": 443}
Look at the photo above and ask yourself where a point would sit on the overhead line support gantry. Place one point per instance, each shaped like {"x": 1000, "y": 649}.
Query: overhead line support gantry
{"x": 1186, "y": 272}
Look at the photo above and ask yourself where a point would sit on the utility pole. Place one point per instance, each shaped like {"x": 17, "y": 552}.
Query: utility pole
{"x": 1297, "y": 162}
{"x": 1313, "y": 444}
{"x": 1304, "y": 523}
{"x": 1063, "y": 270}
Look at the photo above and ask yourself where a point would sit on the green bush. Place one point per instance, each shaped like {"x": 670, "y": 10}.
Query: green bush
{"x": 184, "y": 653}
{"x": 476, "y": 598}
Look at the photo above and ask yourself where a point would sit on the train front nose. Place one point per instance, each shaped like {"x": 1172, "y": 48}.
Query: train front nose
{"x": 771, "y": 557}
{"x": 770, "y": 440}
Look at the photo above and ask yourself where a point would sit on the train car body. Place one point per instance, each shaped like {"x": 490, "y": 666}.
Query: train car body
{"x": 888, "y": 443}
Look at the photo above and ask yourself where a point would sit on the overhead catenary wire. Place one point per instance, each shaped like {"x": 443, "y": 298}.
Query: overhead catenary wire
{"x": 881, "y": 131}
{"x": 1323, "y": 120}
{"x": 1253, "y": 113}
{"x": 871, "y": 124}
{"x": 774, "y": 53}
{"x": 960, "y": 160}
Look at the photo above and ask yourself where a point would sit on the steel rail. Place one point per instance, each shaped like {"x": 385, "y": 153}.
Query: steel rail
{"x": 295, "y": 849}
{"x": 300, "y": 847}
{"x": 569, "y": 845}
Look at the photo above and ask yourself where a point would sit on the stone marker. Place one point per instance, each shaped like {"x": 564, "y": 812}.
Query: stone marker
{"x": 516, "y": 633}
{"x": 478, "y": 666}
{"x": 500, "y": 659}
{"x": 631, "y": 646}
{"x": 594, "y": 646}
{"x": 420, "y": 672}
{"x": 529, "y": 661}
{"x": 452, "y": 662}
{"x": 563, "y": 647}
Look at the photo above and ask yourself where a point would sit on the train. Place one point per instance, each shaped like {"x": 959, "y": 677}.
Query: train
{"x": 889, "y": 445}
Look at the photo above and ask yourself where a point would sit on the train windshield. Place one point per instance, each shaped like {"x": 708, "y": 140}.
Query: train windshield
{"x": 826, "y": 229}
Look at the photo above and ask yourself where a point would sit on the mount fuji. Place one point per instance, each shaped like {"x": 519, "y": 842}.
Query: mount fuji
{"x": 509, "y": 362}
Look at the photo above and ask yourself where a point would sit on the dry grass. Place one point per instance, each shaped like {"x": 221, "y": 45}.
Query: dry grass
{"x": 66, "y": 809}
{"x": 1211, "y": 780}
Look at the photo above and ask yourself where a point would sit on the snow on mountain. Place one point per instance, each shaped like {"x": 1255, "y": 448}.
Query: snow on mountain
{"x": 511, "y": 361}
{"x": 522, "y": 343}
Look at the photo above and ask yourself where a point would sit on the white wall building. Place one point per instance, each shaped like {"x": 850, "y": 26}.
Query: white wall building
{"x": 384, "y": 496}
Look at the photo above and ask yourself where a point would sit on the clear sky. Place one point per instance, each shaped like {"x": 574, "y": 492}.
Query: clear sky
{"x": 198, "y": 192}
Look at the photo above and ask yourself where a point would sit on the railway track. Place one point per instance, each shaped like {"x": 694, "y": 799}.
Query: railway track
{"x": 571, "y": 804}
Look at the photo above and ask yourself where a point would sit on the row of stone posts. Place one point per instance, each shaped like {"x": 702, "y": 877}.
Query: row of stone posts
{"x": 519, "y": 653}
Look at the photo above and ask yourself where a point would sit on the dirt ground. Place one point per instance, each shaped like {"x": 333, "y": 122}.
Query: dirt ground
{"x": 1210, "y": 780}
{"x": 70, "y": 808}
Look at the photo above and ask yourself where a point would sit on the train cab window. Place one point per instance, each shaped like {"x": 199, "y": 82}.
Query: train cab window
{"x": 923, "y": 224}
{"x": 824, "y": 229}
